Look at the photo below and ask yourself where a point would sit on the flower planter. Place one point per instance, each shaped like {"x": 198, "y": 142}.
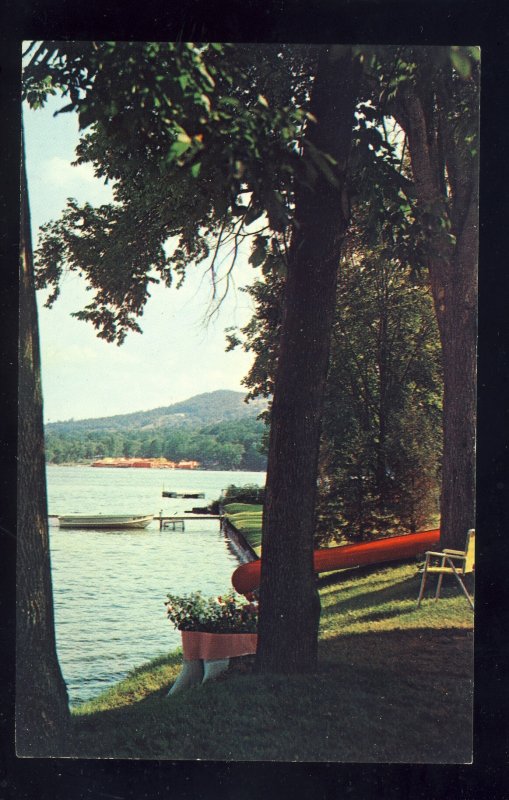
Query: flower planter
{"x": 212, "y": 646}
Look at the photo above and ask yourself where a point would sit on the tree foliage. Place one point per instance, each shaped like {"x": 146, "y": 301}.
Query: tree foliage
{"x": 196, "y": 153}
{"x": 381, "y": 445}
{"x": 225, "y": 445}
{"x": 381, "y": 442}
{"x": 437, "y": 105}
{"x": 203, "y": 145}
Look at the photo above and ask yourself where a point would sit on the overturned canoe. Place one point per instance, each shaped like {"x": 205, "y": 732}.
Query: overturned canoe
{"x": 246, "y": 578}
{"x": 96, "y": 521}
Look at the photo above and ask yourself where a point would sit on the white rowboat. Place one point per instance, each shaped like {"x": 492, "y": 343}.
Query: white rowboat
{"x": 128, "y": 521}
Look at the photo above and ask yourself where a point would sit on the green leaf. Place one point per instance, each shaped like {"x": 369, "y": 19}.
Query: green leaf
{"x": 177, "y": 149}
{"x": 461, "y": 63}
{"x": 205, "y": 101}
{"x": 202, "y": 69}
{"x": 184, "y": 80}
{"x": 195, "y": 169}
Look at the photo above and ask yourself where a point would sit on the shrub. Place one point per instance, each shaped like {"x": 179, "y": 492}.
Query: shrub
{"x": 249, "y": 493}
{"x": 231, "y": 613}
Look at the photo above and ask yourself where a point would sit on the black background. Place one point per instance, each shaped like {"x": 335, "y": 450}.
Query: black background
{"x": 410, "y": 22}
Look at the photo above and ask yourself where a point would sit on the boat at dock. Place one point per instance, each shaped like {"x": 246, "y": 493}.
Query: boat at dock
{"x": 100, "y": 521}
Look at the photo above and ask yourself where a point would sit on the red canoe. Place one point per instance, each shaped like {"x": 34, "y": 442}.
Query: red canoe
{"x": 392, "y": 548}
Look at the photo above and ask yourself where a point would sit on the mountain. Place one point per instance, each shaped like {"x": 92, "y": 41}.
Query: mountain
{"x": 202, "y": 409}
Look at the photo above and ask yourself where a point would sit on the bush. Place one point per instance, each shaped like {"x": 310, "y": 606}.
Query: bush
{"x": 228, "y": 614}
{"x": 249, "y": 493}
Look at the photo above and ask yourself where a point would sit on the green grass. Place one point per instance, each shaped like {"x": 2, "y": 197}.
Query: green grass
{"x": 236, "y": 508}
{"x": 248, "y": 520}
{"x": 393, "y": 684}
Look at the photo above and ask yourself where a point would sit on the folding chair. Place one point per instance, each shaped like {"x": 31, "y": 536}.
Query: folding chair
{"x": 465, "y": 564}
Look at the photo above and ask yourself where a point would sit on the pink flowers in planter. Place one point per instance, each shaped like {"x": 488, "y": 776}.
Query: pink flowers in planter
{"x": 230, "y": 613}
{"x": 214, "y": 630}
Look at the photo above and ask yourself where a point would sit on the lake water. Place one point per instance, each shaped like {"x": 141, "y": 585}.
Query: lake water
{"x": 109, "y": 587}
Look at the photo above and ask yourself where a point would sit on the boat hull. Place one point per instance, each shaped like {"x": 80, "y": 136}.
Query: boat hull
{"x": 101, "y": 521}
{"x": 246, "y": 578}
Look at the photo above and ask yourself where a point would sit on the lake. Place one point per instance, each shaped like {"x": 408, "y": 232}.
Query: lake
{"x": 109, "y": 587}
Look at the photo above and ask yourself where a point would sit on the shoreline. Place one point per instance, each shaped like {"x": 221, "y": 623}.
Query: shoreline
{"x": 239, "y": 543}
{"x": 366, "y": 654}
{"x": 166, "y": 469}
{"x": 244, "y": 553}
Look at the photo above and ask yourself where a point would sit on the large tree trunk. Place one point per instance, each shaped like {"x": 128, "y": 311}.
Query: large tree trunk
{"x": 457, "y": 314}
{"x": 453, "y": 279}
{"x": 42, "y": 713}
{"x": 289, "y": 601}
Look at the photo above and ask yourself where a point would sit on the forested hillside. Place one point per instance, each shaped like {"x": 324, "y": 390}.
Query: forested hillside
{"x": 202, "y": 409}
{"x": 217, "y": 429}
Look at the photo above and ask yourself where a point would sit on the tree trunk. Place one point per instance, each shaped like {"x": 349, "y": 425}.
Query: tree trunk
{"x": 289, "y": 601}
{"x": 42, "y": 713}
{"x": 458, "y": 332}
{"x": 453, "y": 281}
{"x": 384, "y": 395}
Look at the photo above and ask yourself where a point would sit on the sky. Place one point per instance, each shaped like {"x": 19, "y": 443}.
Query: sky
{"x": 177, "y": 356}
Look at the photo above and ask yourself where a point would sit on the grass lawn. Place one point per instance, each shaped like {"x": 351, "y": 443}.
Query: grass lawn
{"x": 248, "y": 520}
{"x": 394, "y": 684}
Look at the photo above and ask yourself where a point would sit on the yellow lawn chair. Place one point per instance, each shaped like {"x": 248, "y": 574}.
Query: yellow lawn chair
{"x": 465, "y": 563}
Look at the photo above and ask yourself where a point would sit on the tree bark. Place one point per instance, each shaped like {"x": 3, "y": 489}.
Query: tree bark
{"x": 453, "y": 280}
{"x": 42, "y": 713}
{"x": 384, "y": 394}
{"x": 289, "y": 601}
{"x": 459, "y": 353}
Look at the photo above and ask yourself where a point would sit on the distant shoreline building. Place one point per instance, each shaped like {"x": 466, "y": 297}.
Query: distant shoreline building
{"x": 145, "y": 463}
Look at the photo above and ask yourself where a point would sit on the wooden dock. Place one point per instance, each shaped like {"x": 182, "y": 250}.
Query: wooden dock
{"x": 189, "y": 495}
{"x": 181, "y": 519}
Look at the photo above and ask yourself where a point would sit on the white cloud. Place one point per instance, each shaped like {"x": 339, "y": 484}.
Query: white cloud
{"x": 59, "y": 172}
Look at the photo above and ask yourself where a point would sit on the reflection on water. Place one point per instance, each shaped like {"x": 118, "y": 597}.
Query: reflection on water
{"x": 109, "y": 586}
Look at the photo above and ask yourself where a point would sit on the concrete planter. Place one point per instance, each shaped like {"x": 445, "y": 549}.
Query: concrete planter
{"x": 207, "y": 655}
{"x": 213, "y": 646}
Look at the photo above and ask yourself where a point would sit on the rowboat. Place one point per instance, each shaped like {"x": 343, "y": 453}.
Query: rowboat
{"x": 97, "y": 521}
